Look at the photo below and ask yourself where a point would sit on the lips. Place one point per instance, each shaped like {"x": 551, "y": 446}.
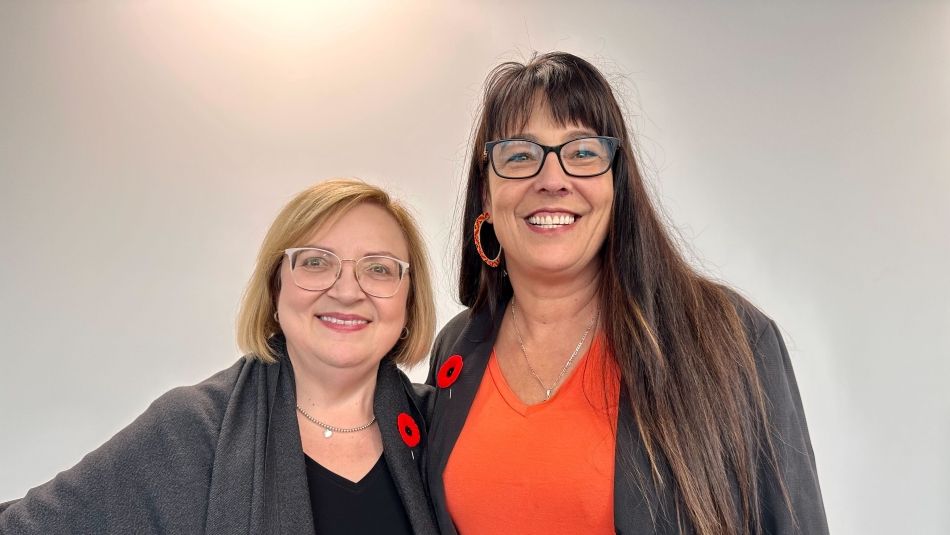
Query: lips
{"x": 338, "y": 321}
{"x": 343, "y": 322}
{"x": 551, "y": 219}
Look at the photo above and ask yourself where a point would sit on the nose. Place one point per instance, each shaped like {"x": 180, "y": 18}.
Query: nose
{"x": 346, "y": 289}
{"x": 552, "y": 178}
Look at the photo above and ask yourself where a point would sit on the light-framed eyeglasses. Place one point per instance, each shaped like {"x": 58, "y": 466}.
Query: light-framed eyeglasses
{"x": 316, "y": 270}
{"x": 584, "y": 157}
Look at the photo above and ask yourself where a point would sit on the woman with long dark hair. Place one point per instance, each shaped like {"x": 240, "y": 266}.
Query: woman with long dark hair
{"x": 597, "y": 382}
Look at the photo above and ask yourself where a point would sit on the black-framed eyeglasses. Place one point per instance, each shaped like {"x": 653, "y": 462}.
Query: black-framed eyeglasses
{"x": 318, "y": 269}
{"x": 583, "y": 157}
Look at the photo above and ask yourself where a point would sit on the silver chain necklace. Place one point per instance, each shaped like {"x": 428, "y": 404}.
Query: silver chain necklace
{"x": 328, "y": 430}
{"x": 567, "y": 365}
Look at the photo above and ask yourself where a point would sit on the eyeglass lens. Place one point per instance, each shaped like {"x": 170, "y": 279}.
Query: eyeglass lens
{"x": 589, "y": 156}
{"x": 316, "y": 269}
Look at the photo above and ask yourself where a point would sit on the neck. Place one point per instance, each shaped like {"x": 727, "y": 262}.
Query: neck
{"x": 341, "y": 397}
{"x": 545, "y": 302}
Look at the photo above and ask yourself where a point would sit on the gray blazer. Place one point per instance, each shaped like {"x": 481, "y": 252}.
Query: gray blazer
{"x": 223, "y": 456}
{"x": 636, "y": 510}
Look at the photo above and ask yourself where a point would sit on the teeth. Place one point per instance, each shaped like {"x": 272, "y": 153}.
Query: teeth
{"x": 551, "y": 221}
{"x": 338, "y": 321}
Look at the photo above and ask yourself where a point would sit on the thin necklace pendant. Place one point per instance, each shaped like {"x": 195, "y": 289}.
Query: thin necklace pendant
{"x": 327, "y": 433}
{"x": 567, "y": 365}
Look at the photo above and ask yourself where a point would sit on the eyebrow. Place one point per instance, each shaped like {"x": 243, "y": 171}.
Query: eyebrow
{"x": 573, "y": 134}
{"x": 368, "y": 253}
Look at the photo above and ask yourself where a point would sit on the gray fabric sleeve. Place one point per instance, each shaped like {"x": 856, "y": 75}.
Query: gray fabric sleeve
{"x": 796, "y": 460}
{"x": 151, "y": 477}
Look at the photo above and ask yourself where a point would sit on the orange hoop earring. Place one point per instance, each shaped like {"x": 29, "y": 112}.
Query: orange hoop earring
{"x": 493, "y": 262}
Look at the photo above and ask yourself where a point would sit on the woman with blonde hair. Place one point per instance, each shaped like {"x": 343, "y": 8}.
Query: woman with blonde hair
{"x": 315, "y": 430}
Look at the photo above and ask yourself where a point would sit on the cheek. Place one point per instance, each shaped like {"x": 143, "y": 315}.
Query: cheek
{"x": 392, "y": 314}
{"x": 499, "y": 197}
{"x": 504, "y": 203}
{"x": 293, "y": 300}
{"x": 601, "y": 195}
{"x": 395, "y": 309}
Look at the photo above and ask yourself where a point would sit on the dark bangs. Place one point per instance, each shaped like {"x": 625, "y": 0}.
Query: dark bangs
{"x": 573, "y": 90}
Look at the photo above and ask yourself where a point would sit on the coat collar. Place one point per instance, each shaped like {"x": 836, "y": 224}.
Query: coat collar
{"x": 452, "y": 404}
{"x": 391, "y": 401}
{"x": 287, "y": 507}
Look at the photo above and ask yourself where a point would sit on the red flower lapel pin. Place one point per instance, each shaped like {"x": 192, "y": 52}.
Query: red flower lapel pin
{"x": 449, "y": 372}
{"x": 409, "y": 431}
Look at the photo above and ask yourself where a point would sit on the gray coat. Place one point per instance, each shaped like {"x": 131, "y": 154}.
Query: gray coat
{"x": 641, "y": 510}
{"x": 223, "y": 456}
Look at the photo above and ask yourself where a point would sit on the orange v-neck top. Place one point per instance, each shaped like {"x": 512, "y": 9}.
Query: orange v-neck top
{"x": 544, "y": 468}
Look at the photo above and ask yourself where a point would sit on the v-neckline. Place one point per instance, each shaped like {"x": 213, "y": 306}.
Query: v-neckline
{"x": 343, "y": 481}
{"x": 512, "y": 398}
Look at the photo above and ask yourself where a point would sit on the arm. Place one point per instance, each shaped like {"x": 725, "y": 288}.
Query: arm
{"x": 795, "y": 458}
{"x": 151, "y": 477}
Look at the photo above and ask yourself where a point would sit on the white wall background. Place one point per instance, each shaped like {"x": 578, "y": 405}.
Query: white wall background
{"x": 802, "y": 150}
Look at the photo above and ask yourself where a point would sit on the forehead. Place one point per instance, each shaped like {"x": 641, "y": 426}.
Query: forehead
{"x": 366, "y": 228}
{"x": 539, "y": 111}
{"x": 543, "y": 127}
{"x": 541, "y": 118}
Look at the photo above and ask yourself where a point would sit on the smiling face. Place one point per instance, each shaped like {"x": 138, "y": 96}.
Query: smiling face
{"x": 342, "y": 326}
{"x": 552, "y": 224}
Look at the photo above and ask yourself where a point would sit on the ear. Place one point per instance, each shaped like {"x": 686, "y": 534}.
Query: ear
{"x": 276, "y": 284}
{"x": 486, "y": 202}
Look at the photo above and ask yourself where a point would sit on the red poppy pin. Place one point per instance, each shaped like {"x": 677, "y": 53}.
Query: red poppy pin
{"x": 409, "y": 430}
{"x": 449, "y": 372}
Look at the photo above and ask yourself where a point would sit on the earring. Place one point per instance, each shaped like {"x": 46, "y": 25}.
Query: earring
{"x": 276, "y": 318}
{"x": 404, "y": 334}
{"x": 493, "y": 262}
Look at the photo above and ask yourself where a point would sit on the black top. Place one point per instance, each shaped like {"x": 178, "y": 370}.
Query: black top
{"x": 370, "y": 505}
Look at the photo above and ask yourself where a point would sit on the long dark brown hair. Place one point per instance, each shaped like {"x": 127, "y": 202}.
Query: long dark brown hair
{"x": 686, "y": 365}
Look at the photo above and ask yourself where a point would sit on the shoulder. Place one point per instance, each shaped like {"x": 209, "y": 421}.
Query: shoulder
{"x": 754, "y": 321}
{"x": 161, "y": 462}
{"x": 392, "y": 381}
{"x": 185, "y": 421}
{"x": 454, "y": 328}
{"x": 468, "y": 327}
{"x": 203, "y": 404}
{"x": 772, "y": 361}
{"x": 446, "y": 340}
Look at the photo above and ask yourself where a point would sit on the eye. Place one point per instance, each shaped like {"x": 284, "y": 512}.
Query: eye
{"x": 313, "y": 261}
{"x": 584, "y": 150}
{"x": 584, "y": 153}
{"x": 378, "y": 269}
{"x": 516, "y": 152}
{"x": 520, "y": 157}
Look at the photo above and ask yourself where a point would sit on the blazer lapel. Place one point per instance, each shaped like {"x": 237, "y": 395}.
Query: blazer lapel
{"x": 474, "y": 344}
{"x": 405, "y": 462}
{"x": 287, "y": 494}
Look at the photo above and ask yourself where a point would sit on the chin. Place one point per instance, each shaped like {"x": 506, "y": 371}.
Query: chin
{"x": 553, "y": 267}
{"x": 345, "y": 361}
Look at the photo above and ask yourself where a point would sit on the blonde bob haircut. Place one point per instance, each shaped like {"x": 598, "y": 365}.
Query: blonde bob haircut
{"x": 304, "y": 215}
